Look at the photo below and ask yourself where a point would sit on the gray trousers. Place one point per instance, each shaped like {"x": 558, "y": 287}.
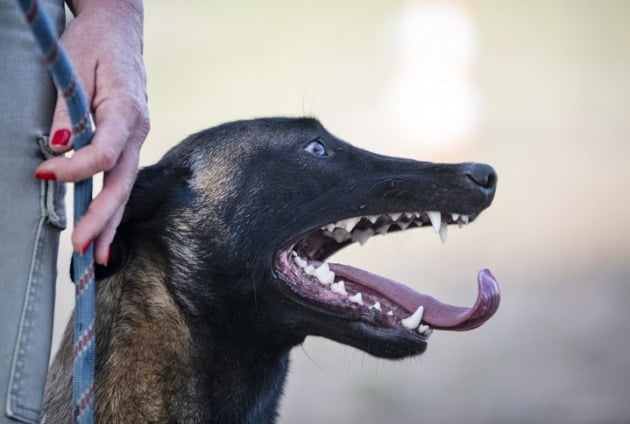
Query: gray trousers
{"x": 31, "y": 216}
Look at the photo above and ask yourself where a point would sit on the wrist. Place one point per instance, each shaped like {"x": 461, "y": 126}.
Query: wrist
{"x": 129, "y": 8}
{"x": 120, "y": 20}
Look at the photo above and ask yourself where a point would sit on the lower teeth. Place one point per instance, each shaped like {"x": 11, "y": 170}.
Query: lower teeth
{"x": 327, "y": 278}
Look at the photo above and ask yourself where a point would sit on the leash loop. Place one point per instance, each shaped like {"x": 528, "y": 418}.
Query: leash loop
{"x": 64, "y": 77}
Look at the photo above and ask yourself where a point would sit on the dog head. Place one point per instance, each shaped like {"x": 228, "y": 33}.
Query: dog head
{"x": 244, "y": 216}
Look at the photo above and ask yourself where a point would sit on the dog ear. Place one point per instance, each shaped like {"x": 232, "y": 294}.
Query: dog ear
{"x": 149, "y": 198}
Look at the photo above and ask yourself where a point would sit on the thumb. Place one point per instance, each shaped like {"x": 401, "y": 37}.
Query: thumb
{"x": 61, "y": 129}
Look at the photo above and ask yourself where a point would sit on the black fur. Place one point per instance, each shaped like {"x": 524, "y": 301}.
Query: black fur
{"x": 213, "y": 214}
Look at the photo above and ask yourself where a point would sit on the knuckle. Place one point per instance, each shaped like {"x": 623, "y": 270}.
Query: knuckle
{"x": 145, "y": 124}
{"x": 106, "y": 159}
{"x": 138, "y": 112}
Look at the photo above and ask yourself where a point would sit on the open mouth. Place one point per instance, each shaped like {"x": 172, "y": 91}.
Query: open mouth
{"x": 354, "y": 294}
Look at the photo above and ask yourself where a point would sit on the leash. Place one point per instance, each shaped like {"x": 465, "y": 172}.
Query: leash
{"x": 60, "y": 68}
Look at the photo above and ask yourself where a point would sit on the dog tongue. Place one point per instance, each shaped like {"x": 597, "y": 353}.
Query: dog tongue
{"x": 437, "y": 314}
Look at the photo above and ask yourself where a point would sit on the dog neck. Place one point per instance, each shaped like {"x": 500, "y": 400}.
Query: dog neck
{"x": 158, "y": 363}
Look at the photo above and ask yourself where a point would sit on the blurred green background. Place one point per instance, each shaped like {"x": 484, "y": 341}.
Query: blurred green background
{"x": 551, "y": 96}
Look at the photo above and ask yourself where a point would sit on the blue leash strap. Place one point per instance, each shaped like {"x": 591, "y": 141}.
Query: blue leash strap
{"x": 65, "y": 79}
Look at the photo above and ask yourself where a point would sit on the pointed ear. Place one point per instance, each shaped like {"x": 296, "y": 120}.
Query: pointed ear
{"x": 148, "y": 193}
{"x": 156, "y": 186}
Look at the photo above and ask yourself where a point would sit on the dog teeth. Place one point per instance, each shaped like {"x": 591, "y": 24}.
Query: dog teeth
{"x": 347, "y": 224}
{"x": 326, "y": 277}
{"x": 425, "y": 330}
{"x": 324, "y": 274}
{"x": 463, "y": 220}
{"x": 436, "y": 220}
{"x": 357, "y": 298}
{"x": 413, "y": 321}
{"x": 403, "y": 225}
{"x": 346, "y": 229}
{"x": 339, "y": 288}
{"x": 351, "y": 223}
{"x": 299, "y": 261}
{"x": 340, "y": 235}
{"x": 443, "y": 232}
{"x": 395, "y": 216}
{"x": 376, "y": 306}
{"x": 362, "y": 236}
{"x": 309, "y": 269}
{"x": 383, "y": 230}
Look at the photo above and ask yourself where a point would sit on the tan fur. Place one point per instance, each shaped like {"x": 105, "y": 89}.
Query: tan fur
{"x": 146, "y": 355}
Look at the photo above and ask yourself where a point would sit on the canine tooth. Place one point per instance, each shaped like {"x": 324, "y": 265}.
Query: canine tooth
{"x": 436, "y": 220}
{"x": 324, "y": 274}
{"x": 443, "y": 232}
{"x": 455, "y": 216}
{"x": 309, "y": 270}
{"x": 373, "y": 218}
{"x": 395, "y": 216}
{"x": 330, "y": 227}
{"x": 376, "y": 306}
{"x": 390, "y": 313}
{"x": 413, "y": 321}
{"x": 417, "y": 214}
{"x": 339, "y": 287}
{"x": 299, "y": 261}
{"x": 357, "y": 298}
{"x": 465, "y": 218}
{"x": 408, "y": 215}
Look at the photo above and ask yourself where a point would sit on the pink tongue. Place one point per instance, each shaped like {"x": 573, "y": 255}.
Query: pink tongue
{"x": 437, "y": 314}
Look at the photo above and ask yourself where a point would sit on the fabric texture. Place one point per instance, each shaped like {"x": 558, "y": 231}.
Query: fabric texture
{"x": 31, "y": 216}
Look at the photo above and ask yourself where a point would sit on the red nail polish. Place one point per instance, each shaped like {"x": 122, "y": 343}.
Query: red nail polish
{"x": 61, "y": 137}
{"x": 45, "y": 175}
{"x": 86, "y": 247}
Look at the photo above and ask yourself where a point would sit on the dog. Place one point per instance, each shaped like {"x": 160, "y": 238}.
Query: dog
{"x": 219, "y": 269}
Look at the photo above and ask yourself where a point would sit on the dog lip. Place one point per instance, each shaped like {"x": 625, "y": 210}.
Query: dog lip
{"x": 298, "y": 267}
{"x": 437, "y": 314}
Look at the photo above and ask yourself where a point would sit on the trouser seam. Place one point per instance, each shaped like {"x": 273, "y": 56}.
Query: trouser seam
{"x": 24, "y": 326}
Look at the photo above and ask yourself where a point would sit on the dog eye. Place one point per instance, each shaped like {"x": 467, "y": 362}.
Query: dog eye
{"x": 316, "y": 147}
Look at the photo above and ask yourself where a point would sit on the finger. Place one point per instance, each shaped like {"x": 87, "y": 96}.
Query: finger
{"x": 99, "y": 220}
{"x": 61, "y": 134}
{"x": 104, "y": 241}
{"x": 100, "y": 155}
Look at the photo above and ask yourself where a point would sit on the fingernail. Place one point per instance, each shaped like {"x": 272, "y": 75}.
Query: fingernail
{"x": 61, "y": 137}
{"x": 45, "y": 175}
{"x": 86, "y": 247}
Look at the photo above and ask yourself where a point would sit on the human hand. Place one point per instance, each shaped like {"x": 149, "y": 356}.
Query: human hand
{"x": 104, "y": 42}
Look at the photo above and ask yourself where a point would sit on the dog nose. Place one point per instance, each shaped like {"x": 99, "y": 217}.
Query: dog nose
{"x": 483, "y": 175}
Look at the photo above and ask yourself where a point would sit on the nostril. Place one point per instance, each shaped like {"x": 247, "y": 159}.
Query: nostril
{"x": 483, "y": 175}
